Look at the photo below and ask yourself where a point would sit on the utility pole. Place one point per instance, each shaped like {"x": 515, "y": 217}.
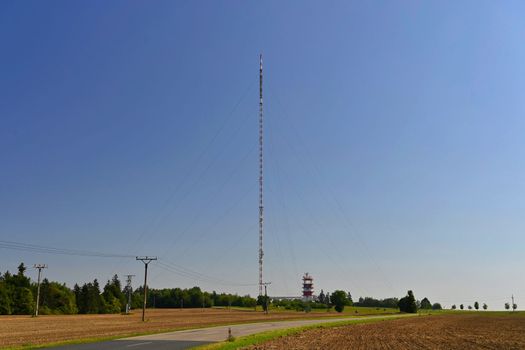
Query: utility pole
{"x": 39, "y": 267}
{"x": 266, "y": 284}
{"x": 128, "y": 287}
{"x": 146, "y": 260}
{"x": 261, "y": 205}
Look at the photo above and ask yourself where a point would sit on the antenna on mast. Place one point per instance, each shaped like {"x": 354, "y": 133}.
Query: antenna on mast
{"x": 261, "y": 206}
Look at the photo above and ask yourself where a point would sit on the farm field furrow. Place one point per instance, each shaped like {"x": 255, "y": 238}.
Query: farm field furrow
{"x": 27, "y": 330}
{"x": 450, "y": 332}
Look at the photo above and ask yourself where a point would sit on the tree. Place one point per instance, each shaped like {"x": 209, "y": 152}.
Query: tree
{"x": 371, "y": 302}
{"x": 476, "y": 305}
{"x": 321, "y": 297}
{"x": 56, "y": 298}
{"x": 425, "y": 304}
{"x": 485, "y": 306}
{"x": 327, "y": 302}
{"x": 453, "y": 307}
{"x": 470, "y": 307}
{"x": 461, "y": 307}
{"x": 339, "y": 299}
{"x": 23, "y": 301}
{"x": 5, "y": 300}
{"x": 436, "y": 306}
{"x": 89, "y": 300}
{"x": 349, "y": 302}
{"x": 514, "y": 307}
{"x": 115, "y": 300}
{"x": 264, "y": 301}
{"x": 408, "y": 303}
{"x": 507, "y": 306}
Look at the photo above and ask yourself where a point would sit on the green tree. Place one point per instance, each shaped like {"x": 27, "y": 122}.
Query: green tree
{"x": 514, "y": 307}
{"x": 461, "y": 306}
{"x": 476, "y": 305}
{"x": 436, "y": 306}
{"x": 426, "y": 304}
{"x": 114, "y": 298}
{"x": 485, "y": 306}
{"x": 339, "y": 299}
{"x": 90, "y": 301}
{"x": 263, "y": 301}
{"x": 453, "y": 307}
{"x": 408, "y": 303}
{"x": 349, "y": 302}
{"x": 321, "y": 297}
{"x": 56, "y": 298}
{"x": 5, "y": 300}
{"x": 23, "y": 301}
{"x": 507, "y": 306}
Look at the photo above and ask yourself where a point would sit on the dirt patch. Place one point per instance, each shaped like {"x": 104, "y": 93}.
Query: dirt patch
{"x": 26, "y": 330}
{"x": 448, "y": 332}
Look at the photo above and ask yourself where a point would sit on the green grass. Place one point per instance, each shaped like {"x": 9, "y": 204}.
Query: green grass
{"x": 266, "y": 336}
{"x": 472, "y": 312}
{"x": 349, "y": 310}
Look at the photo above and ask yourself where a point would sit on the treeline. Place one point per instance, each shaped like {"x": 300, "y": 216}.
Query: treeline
{"x": 18, "y": 297}
{"x": 194, "y": 297}
{"x": 383, "y": 303}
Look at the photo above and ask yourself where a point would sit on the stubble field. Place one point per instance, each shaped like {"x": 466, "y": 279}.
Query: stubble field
{"x": 450, "y": 332}
{"x": 25, "y": 330}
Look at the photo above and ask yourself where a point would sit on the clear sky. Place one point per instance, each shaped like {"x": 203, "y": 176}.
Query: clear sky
{"x": 395, "y": 143}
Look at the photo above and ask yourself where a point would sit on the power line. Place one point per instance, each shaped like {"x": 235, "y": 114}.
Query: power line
{"x": 171, "y": 267}
{"x": 182, "y": 271}
{"x": 10, "y": 245}
{"x": 156, "y": 222}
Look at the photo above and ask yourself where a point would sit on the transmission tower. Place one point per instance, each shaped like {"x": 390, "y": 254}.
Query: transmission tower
{"x": 128, "y": 289}
{"x": 261, "y": 206}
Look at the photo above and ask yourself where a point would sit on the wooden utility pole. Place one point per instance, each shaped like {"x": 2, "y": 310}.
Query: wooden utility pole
{"x": 39, "y": 267}
{"x": 146, "y": 260}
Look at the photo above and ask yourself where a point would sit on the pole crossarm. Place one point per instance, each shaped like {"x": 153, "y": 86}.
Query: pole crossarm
{"x": 146, "y": 259}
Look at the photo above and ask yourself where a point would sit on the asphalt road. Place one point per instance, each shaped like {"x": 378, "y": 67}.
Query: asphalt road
{"x": 186, "y": 339}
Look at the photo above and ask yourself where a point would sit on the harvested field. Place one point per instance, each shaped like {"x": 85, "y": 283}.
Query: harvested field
{"x": 26, "y": 330}
{"x": 425, "y": 332}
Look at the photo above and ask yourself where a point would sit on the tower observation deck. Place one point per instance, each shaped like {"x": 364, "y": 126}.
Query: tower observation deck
{"x": 308, "y": 287}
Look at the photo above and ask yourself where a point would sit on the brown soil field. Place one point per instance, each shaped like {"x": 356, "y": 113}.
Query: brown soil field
{"x": 449, "y": 332}
{"x": 25, "y": 330}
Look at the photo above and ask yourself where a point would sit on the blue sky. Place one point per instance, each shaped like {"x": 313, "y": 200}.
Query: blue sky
{"x": 394, "y": 143}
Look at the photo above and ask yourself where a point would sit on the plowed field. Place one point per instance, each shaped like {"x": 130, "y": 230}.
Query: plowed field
{"x": 26, "y": 330}
{"x": 448, "y": 332}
